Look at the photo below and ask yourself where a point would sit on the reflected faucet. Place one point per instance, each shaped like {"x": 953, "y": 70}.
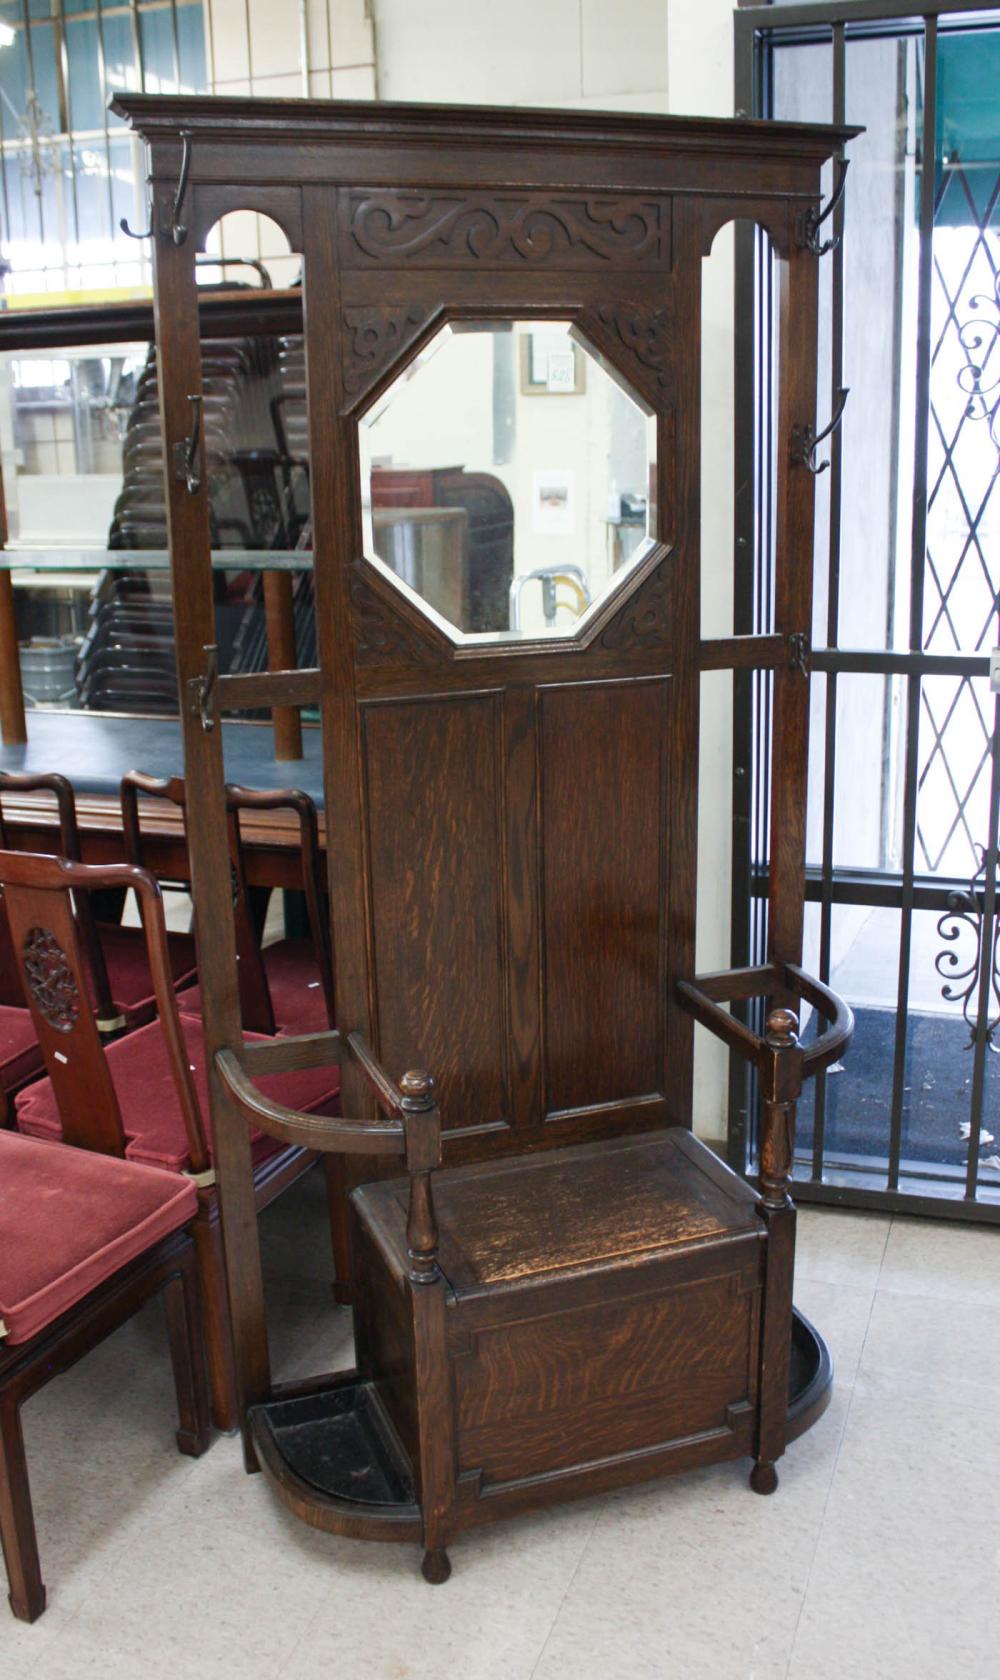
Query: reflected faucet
{"x": 548, "y": 577}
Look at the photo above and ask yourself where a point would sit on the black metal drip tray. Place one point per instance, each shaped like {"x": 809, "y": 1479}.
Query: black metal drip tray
{"x": 340, "y": 1443}
{"x": 810, "y": 1374}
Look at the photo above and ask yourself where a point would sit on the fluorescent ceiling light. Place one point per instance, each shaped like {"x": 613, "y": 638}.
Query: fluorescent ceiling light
{"x": 6, "y": 35}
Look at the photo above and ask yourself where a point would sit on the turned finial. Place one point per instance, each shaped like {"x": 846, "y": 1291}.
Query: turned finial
{"x": 417, "y": 1087}
{"x": 782, "y": 1028}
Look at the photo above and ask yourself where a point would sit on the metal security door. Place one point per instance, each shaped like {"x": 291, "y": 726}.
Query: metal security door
{"x": 902, "y": 887}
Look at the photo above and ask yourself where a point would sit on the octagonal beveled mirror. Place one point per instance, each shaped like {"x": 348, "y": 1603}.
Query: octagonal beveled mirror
{"x": 507, "y": 480}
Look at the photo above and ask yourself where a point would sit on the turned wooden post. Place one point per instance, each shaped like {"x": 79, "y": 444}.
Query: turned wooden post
{"x": 434, "y": 1406}
{"x": 279, "y": 614}
{"x": 423, "y": 1154}
{"x": 781, "y": 1083}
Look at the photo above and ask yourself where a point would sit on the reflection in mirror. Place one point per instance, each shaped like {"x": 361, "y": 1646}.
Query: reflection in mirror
{"x": 507, "y": 479}
{"x": 63, "y": 416}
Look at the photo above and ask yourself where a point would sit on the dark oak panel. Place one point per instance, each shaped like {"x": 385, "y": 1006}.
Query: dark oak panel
{"x": 434, "y": 824}
{"x": 602, "y": 751}
{"x": 578, "y": 1386}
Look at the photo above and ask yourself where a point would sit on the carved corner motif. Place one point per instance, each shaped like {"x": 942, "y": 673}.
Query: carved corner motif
{"x": 49, "y": 979}
{"x": 643, "y": 621}
{"x": 374, "y": 337}
{"x": 576, "y": 230}
{"x": 382, "y": 634}
{"x": 644, "y": 333}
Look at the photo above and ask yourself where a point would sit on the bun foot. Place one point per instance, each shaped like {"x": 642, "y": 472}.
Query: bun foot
{"x": 763, "y": 1478}
{"x": 436, "y": 1567}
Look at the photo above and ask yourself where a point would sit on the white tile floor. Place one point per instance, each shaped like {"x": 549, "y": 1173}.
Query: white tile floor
{"x": 878, "y": 1557}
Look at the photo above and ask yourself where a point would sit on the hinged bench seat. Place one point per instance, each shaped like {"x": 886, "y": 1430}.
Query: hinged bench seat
{"x": 528, "y": 1219}
{"x": 601, "y": 1322}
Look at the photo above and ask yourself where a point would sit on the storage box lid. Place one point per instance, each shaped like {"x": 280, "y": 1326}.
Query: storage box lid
{"x": 509, "y": 1222}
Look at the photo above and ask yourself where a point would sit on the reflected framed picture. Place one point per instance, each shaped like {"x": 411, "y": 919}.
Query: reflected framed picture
{"x": 551, "y": 364}
{"x": 553, "y": 495}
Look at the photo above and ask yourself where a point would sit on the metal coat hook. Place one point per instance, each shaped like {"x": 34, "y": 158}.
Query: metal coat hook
{"x": 178, "y": 232}
{"x": 798, "y": 652}
{"x": 186, "y": 463}
{"x": 175, "y": 227}
{"x": 806, "y": 440}
{"x": 201, "y": 690}
{"x": 123, "y": 224}
{"x": 813, "y": 219}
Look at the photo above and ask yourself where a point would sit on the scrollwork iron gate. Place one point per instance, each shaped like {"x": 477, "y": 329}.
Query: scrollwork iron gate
{"x": 903, "y": 880}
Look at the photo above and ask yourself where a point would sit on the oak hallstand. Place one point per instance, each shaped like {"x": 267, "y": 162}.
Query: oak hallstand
{"x": 581, "y": 1295}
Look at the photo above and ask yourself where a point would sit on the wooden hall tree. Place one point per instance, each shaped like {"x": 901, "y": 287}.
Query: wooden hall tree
{"x": 581, "y": 1296}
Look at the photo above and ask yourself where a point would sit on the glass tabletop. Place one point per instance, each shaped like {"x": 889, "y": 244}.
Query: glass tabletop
{"x": 28, "y": 559}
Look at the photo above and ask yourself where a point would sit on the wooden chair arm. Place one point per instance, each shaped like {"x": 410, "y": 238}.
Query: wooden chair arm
{"x": 324, "y": 1132}
{"x": 702, "y": 997}
{"x": 828, "y": 1046}
{"x": 414, "y": 1129}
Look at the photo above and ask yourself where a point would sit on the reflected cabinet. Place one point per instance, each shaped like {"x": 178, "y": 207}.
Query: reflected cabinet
{"x": 557, "y": 1288}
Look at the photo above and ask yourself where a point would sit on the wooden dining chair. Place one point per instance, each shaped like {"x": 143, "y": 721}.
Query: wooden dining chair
{"x": 85, "y": 1241}
{"x": 142, "y": 1096}
{"x": 286, "y": 986}
{"x": 119, "y": 981}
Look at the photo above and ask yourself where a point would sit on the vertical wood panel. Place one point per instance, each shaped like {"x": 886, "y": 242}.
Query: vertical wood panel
{"x": 604, "y": 822}
{"x": 792, "y": 604}
{"x": 682, "y": 526}
{"x": 522, "y": 889}
{"x": 438, "y": 935}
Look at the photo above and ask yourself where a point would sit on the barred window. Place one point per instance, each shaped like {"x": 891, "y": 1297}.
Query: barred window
{"x": 70, "y": 169}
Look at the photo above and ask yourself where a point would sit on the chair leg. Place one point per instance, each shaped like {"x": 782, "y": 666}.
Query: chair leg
{"x": 17, "y": 1522}
{"x": 187, "y": 1355}
{"x": 207, "y": 1234}
{"x": 340, "y": 1233}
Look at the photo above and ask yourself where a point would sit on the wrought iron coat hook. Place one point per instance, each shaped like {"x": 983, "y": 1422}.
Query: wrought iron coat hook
{"x": 186, "y": 463}
{"x": 201, "y": 690}
{"x": 123, "y": 224}
{"x": 813, "y": 219}
{"x": 806, "y": 440}
{"x": 175, "y": 228}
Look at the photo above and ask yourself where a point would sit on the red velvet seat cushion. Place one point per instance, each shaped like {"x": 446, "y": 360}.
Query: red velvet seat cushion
{"x": 20, "y": 1054}
{"x": 150, "y": 1111}
{"x": 128, "y": 968}
{"x": 69, "y": 1220}
{"x": 293, "y": 981}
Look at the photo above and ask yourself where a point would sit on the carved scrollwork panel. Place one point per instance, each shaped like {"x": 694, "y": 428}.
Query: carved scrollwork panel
{"x": 644, "y": 619}
{"x": 435, "y": 230}
{"x": 644, "y": 333}
{"x": 381, "y": 634}
{"x": 49, "y": 979}
{"x": 374, "y": 337}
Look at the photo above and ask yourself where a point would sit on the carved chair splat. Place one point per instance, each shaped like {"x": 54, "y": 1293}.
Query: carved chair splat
{"x": 137, "y": 1097}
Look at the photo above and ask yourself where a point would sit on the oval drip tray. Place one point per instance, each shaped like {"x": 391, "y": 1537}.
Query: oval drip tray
{"x": 340, "y": 1442}
{"x": 810, "y": 1377}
